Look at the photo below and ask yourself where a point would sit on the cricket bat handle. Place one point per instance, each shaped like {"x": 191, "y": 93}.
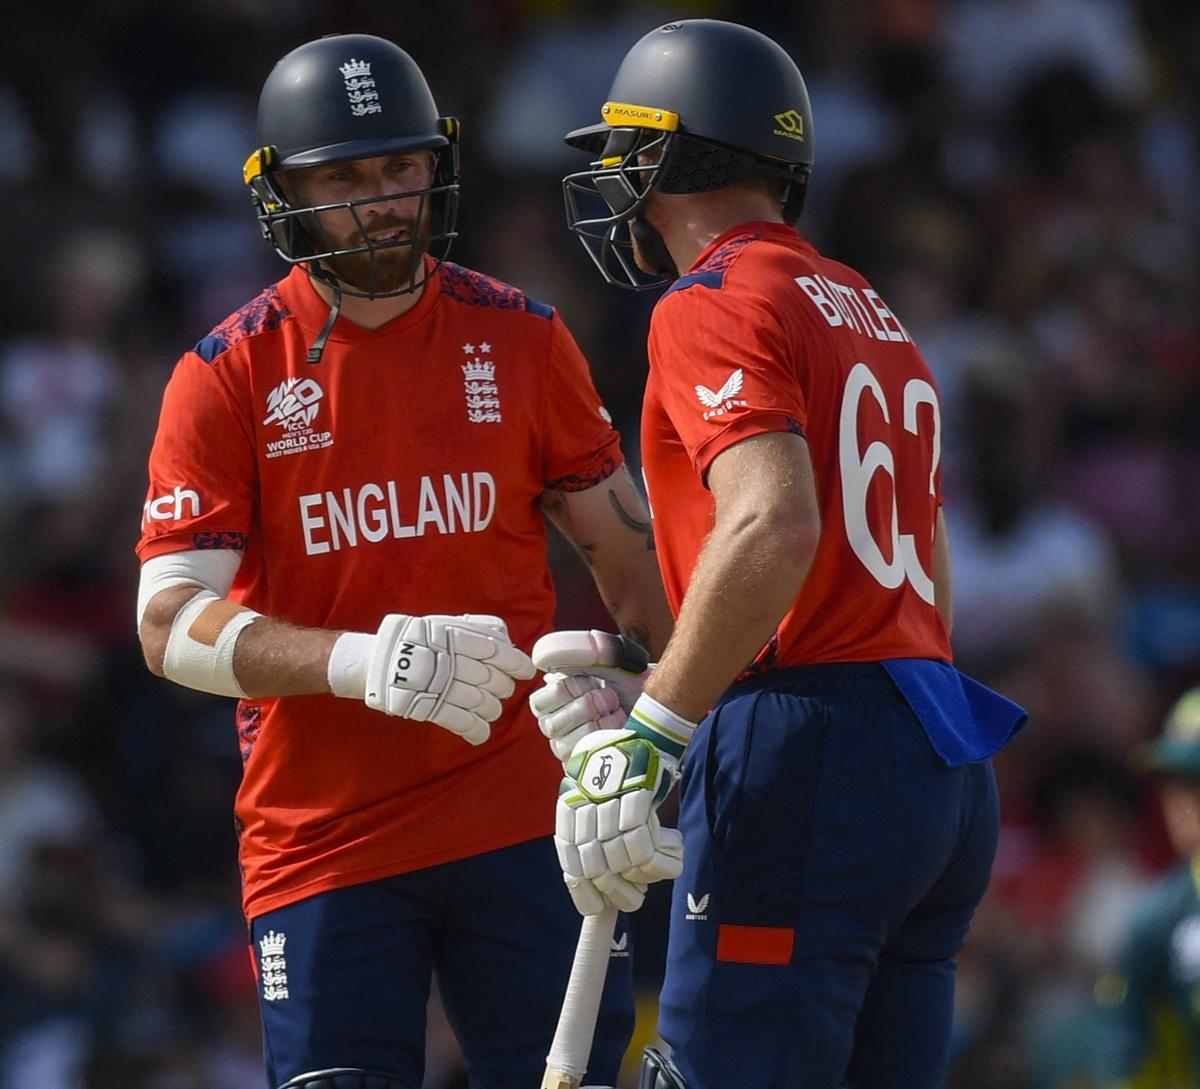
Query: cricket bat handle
{"x": 567, "y": 1061}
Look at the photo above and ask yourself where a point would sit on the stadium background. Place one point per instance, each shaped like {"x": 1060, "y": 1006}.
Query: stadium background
{"x": 1017, "y": 177}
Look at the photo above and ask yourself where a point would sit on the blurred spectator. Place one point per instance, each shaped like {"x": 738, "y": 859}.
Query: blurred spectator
{"x": 56, "y": 388}
{"x": 995, "y": 45}
{"x": 1018, "y": 552}
{"x": 43, "y": 806}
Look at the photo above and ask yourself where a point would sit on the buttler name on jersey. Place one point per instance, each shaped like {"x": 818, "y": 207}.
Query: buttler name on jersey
{"x": 350, "y": 517}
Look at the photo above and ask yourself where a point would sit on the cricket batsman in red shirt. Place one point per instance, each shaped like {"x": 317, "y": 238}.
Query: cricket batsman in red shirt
{"x": 838, "y": 810}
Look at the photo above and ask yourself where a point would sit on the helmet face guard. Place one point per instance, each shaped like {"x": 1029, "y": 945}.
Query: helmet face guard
{"x": 695, "y": 105}
{"x": 602, "y": 201}
{"x": 296, "y": 233}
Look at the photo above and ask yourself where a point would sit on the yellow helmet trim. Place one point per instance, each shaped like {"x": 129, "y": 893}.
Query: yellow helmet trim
{"x": 622, "y": 114}
{"x": 257, "y": 164}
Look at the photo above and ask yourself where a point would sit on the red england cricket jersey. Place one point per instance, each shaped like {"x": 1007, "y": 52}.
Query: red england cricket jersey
{"x": 764, "y": 334}
{"x": 400, "y": 474}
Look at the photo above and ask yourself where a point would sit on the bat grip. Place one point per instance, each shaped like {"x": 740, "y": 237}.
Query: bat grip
{"x": 567, "y": 1061}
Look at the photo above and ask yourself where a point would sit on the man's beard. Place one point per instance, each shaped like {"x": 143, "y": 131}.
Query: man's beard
{"x": 381, "y": 271}
{"x": 387, "y": 269}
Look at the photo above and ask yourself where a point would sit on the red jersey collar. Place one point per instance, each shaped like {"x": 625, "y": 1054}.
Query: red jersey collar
{"x": 311, "y": 311}
{"x": 776, "y": 232}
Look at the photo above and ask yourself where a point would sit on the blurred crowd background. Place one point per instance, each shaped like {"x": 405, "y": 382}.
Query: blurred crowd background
{"x": 1017, "y": 177}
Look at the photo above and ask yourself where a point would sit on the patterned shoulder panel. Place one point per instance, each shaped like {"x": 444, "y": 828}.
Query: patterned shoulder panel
{"x": 260, "y": 315}
{"x": 711, "y": 274}
{"x": 464, "y": 285}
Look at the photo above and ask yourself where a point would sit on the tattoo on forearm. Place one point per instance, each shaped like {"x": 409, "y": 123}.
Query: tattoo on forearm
{"x": 636, "y": 524}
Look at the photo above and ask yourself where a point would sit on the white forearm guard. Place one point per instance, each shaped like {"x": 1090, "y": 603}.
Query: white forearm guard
{"x": 203, "y": 638}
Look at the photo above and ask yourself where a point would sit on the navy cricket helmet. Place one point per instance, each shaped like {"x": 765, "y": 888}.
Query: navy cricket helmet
{"x": 340, "y": 98}
{"x": 695, "y": 105}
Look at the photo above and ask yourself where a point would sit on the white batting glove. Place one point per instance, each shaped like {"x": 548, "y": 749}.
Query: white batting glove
{"x": 608, "y": 837}
{"x": 593, "y": 679}
{"x": 452, "y": 671}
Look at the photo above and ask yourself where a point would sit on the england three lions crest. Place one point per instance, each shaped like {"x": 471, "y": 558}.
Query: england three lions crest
{"x": 479, "y": 385}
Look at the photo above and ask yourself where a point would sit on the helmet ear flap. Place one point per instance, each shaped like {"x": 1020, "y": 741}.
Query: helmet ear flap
{"x": 271, "y": 205}
{"x": 279, "y": 225}
{"x": 444, "y": 200}
{"x": 793, "y": 199}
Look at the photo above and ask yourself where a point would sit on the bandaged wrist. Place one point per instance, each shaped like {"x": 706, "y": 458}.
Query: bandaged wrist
{"x": 201, "y": 645}
{"x": 348, "y": 661}
{"x": 661, "y": 726}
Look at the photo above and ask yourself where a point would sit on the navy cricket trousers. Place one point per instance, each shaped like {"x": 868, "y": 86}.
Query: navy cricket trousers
{"x": 349, "y": 983}
{"x": 832, "y": 863}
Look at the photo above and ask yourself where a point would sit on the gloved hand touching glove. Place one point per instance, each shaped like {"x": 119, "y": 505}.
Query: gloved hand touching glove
{"x": 452, "y": 671}
{"x": 593, "y": 679}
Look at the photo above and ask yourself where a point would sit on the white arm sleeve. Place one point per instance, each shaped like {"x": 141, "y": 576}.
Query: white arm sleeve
{"x": 213, "y": 569}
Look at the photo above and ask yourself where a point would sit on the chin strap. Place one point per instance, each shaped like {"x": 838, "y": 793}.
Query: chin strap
{"x": 652, "y": 247}
{"x": 318, "y": 346}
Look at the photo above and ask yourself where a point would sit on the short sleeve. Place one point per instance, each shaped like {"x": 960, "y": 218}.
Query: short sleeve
{"x": 724, "y": 369}
{"x": 203, "y": 472}
{"x": 579, "y": 448}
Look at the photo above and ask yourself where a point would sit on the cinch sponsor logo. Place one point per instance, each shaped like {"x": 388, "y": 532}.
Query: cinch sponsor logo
{"x": 859, "y": 309}
{"x": 170, "y": 508}
{"x": 333, "y": 520}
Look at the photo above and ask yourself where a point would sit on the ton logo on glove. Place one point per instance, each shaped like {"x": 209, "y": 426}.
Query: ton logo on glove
{"x": 404, "y": 664}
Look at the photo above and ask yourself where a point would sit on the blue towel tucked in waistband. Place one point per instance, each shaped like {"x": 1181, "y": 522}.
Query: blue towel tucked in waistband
{"x": 965, "y": 720}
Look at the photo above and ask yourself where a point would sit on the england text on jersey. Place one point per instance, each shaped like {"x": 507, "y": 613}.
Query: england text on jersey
{"x": 460, "y": 503}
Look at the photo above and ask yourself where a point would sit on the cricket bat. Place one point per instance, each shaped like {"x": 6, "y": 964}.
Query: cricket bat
{"x": 567, "y": 1061}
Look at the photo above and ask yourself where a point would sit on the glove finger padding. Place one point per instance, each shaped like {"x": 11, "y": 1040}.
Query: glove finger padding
{"x": 502, "y": 656}
{"x": 489, "y": 625}
{"x": 568, "y": 708}
{"x": 666, "y": 863}
{"x": 473, "y": 699}
{"x": 559, "y": 691}
{"x": 482, "y": 676}
{"x": 587, "y": 898}
{"x": 615, "y": 659}
{"x": 468, "y": 725}
{"x": 621, "y": 893}
{"x": 571, "y": 651}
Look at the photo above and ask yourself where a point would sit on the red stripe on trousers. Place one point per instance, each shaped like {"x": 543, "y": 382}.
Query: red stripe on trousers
{"x": 755, "y": 944}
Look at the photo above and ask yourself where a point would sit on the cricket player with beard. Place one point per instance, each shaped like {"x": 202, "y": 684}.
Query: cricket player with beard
{"x": 838, "y": 809}
{"x": 345, "y": 522}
